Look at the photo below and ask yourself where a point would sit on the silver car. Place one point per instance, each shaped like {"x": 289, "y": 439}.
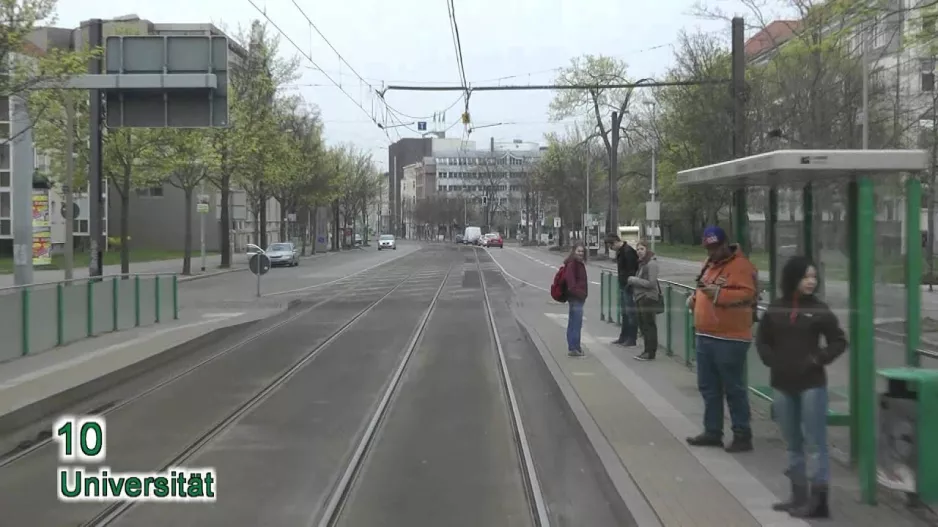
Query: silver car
{"x": 283, "y": 254}
{"x": 387, "y": 241}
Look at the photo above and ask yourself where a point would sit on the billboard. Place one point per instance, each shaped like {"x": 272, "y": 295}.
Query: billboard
{"x": 42, "y": 228}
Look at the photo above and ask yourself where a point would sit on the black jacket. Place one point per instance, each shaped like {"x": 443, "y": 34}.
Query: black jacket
{"x": 788, "y": 342}
{"x": 626, "y": 263}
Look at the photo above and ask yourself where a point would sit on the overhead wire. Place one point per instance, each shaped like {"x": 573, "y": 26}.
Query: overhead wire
{"x": 313, "y": 62}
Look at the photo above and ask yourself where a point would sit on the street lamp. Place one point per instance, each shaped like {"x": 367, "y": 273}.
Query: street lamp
{"x": 652, "y": 212}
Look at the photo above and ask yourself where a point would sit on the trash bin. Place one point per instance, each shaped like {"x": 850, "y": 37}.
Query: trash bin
{"x": 907, "y": 459}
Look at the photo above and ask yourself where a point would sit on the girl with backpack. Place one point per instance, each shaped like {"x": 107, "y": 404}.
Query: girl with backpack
{"x": 788, "y": 342}
{"x": 648, "y": 299}
{"x": 575, "y": 285}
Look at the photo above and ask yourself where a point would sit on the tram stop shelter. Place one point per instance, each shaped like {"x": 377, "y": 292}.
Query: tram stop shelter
{"x": 858, "y": 178}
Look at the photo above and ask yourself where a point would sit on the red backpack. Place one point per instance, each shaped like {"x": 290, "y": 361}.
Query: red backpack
{"x": 558, "y": 289}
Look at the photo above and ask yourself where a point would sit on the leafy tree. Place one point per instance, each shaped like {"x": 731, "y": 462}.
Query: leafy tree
{"x": 185, "y": 157}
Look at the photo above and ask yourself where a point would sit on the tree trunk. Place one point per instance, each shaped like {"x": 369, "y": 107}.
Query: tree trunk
{"x": 225, "y": 221}
{"x": 283, "y": 219}
{"x": 187, "y": 240}
{"x": 125, "y": 220}
{"x": 335, "y": 225}
{"x": 314, "y": 234}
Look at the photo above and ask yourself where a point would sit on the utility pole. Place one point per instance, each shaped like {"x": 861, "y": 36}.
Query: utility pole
{"x": 202, "y": 214}
{"x": 95, "y": 29}
{"x": 654, "y": 190}
{"x": 21, "y": 150}
{"x": 612, "y": 218}
{"x": 69, "y": 186}
{"x": 738, "y": 85}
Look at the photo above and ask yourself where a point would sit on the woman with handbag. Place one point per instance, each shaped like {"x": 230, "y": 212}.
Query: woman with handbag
{"x": 648, "y": 301}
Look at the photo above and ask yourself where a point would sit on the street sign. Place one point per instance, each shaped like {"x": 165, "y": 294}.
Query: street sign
{"x": 136, "y": 59}
{"x": 202, "y": 206}
{"x": 291, "y": 216}
{"x": 421, "y": 126}
{"x": 556, "y": 222}
{"x": 652, "y": 210}
{"x": 264, "y": 263}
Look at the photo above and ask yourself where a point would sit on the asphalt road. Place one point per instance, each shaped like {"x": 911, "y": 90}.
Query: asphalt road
{"x": 445, "y": 452}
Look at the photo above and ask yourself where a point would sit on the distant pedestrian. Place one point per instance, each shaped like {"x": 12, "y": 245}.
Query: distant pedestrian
{"x": 577, "y": 290}
{"x": 648, "y": 301}
{"x": 723, "y": 305}
{"x": 788, "y": 343}
{"x": 627, "y": 266}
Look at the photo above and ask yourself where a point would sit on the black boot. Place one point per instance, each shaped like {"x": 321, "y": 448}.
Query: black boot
{"x": 816, "y": 506}
{"x": 799, "y": 497}
{"x": 705, "y": 439}
{"x": 742, "y": 442}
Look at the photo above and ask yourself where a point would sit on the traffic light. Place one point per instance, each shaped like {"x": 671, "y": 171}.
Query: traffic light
{"x": 485, "y": 201}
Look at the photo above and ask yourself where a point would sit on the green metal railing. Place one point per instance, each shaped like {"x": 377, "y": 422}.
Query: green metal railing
{"x": 39, "y": 317}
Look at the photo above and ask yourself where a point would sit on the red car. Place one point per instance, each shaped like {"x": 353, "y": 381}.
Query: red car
{"x": 492, "y": 239}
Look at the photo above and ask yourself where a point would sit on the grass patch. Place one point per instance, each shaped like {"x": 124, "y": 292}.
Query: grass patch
{"x": 110, "y": 258}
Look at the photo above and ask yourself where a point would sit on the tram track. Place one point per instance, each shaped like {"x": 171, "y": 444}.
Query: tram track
{"x": 332, "y": 513}
{"x": 342, "y": 288}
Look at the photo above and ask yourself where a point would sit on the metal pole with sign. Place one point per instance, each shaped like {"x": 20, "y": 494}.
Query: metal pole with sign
{"x": 202, "y": 209}
{"x": 259, "y": 263}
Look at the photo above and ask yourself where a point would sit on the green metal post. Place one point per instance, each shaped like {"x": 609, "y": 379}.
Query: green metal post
{"x": 89, "y": 301}
{"x": 741, "y": 220}
{"x": 771, "y": 243}
{"x": 866, "y": 365}
{"x": 688, "y": 334}
{"x": 668, "y": 320}
{"x": 617, "y": 294}
{"x": 115, "y": 295}
{"x": 602, "y": 295}
{"x": 612, "y": 301}
{"x": 24, "y": 306}
{"x": 175, "y": 297}
{"x": 853, "y": 305}
{"x": 156, "y": 288}
{"x": 137, "y": 300}
{"x": 913, "y": 269}
{"x": 59, "y": 314}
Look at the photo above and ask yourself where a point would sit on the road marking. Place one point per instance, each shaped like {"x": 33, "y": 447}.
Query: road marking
{"x": 307, "y": 288}
{"x": 583, "y": 373}
{"x": 513, "y": 277}
{"x": 85, "y": 357}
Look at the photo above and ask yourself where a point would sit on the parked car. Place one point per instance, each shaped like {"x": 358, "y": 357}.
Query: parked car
{"x": 387, "y": 241}
{"x": 283, "y": 254}
{"x": 493, "y": 239}
{"x": 472, "y": 236}
{"x": 459, "y": 238}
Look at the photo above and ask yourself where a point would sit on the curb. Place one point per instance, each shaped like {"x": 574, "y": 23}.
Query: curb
{"x": 237, "y": 269}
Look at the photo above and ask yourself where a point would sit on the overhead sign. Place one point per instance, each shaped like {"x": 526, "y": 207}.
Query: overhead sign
{"x": 173, "y": 57}
{"x": 421, "y": 126}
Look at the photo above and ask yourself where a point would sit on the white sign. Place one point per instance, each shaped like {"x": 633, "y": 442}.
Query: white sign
{"x": 556, "y": 222}
{"x": 202, "y": 206}
{"x": 291, "y": 216}
{"x": 652, "y": 210}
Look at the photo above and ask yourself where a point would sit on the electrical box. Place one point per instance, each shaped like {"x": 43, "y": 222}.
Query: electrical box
{"x": 906, "y": 458}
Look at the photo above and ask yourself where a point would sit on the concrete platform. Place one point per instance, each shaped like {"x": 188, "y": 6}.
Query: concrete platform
{"x": 640, "y": 414}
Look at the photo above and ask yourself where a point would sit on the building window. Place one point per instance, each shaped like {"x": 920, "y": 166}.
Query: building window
{"x": 4, "y": 179}
{"x": 928, "y": 75}
{"x": 152, "y": 192}
{"x": 5, "y": 205}
{"x": 4, "y": 227}
{"x": 4, "y": 156}
{"x": 4, "y": 108}
{"x": 80, "y": 226}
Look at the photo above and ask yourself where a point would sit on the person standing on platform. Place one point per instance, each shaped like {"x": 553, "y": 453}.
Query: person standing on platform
{"x": 723, "y": 305}
{"x": 577, "y": 286}
{"x": 788, "y": 342}
{"x": 648, "y": 301}
{"x": 627, "y": 266}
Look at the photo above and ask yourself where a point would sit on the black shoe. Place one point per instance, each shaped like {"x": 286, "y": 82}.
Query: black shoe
{"x": 705, "y": 440}
{"x": 573, "y": 353}
{"x": 741, "y": 443}
{"x": 618, "y": 342}
{"x": 799, "y": 497}
{"x": 629, "y": 343}
{"x": 644, "y": 356}
{"x": 816, "y": 505}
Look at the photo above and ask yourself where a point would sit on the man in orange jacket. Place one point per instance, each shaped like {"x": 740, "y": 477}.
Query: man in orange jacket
{"x": 723, "y": 305}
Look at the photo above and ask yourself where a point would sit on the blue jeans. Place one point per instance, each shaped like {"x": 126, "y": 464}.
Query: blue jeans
{"x": 721, "y": 368}
{"x": 629, "y": 332}
{"x": 803, "y": 418}
{"x": 574, "y": 325}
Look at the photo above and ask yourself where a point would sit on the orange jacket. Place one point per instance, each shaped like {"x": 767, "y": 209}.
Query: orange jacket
{"x": 729, "y": 313}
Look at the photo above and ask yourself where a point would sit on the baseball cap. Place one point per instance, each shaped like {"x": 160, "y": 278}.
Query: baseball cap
{"x": 713, "y": 235}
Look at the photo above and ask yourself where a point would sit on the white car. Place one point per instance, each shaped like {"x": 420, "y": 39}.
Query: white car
{"x": 283, "y": 254}
{"x": 387, "y": 241}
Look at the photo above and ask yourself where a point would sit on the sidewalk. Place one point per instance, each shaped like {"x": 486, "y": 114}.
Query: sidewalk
{"x": 645, "y": 411}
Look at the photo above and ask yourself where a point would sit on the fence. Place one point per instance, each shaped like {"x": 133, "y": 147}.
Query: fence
{"x": 39, "y": 317}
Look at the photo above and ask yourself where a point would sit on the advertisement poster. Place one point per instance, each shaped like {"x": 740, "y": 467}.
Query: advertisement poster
{"x": 42, "y": 229}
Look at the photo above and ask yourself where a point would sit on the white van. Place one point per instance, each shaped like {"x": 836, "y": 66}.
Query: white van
{"x": 472, "y": 235}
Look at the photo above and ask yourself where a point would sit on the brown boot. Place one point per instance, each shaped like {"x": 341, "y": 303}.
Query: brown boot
{"x": 816, "y": 506}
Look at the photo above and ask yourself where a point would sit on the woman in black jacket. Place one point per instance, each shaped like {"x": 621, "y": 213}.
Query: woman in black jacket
{"x": 788, "y": 341}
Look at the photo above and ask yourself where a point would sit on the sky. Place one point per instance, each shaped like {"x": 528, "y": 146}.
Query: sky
{"x": 409, "y": 42}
